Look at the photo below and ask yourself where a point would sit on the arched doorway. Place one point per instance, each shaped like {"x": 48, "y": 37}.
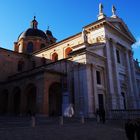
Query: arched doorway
{"x": 55, "y": 99}
{"x": 16, "y": 100}
{"x": 31, "y": 99}
{"x": 4, "y": 102}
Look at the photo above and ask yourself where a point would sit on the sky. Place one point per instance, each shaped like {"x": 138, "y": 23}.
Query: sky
{"x": 64, "y": 17}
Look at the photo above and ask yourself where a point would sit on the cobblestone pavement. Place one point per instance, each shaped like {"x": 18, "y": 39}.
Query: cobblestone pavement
{"x": 90, "y": 130}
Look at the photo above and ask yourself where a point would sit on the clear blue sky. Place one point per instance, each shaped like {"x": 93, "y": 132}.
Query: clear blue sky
{"x": 65, "y": 17}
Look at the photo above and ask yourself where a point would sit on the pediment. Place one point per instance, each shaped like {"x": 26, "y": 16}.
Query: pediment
{"x": 122, "y": 27}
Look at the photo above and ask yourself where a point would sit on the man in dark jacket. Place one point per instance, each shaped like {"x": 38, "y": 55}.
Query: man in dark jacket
{"x": 102, "y": 115}
{"x": 138, "y": 128}
{"x": 130, "y": 129}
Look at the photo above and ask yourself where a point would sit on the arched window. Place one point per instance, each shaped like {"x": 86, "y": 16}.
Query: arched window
{"x": 20, "y": 48}
{"x": 67, "y": 51}
{"x": 42, "y": 46}
{"x": 54, "y": 56}
{"x": 20, "y": 65}
{"x": 30, "y": 47}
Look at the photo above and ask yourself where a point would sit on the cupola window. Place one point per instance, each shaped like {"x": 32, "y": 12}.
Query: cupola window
{"x": 30, "y": 47}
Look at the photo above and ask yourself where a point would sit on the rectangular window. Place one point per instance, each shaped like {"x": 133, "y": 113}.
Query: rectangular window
{"x": 123, "y": 59}
{"x": 118, "y": 56}
{"x": 98, "y": 77}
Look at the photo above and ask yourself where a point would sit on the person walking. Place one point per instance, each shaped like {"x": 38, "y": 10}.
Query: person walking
{"x": 97, "y": 115}
{"x": 130, "y": 127}
{"x": 138, "y": 128}
{"x": 102, "y": 115}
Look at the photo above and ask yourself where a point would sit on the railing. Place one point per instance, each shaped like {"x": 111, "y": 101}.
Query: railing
{"x": 124, "y": 114}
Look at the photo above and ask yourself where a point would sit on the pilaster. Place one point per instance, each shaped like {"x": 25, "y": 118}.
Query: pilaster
{"x": 130, "y": 87}
{"x": 91, "y": 89}
{"x": 109, "y": 70}
{"x": 116, "y": 75}
{"x": 132, "y": 68}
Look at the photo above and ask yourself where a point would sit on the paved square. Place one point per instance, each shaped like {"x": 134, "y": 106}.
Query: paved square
{"x": 91, "y": 130}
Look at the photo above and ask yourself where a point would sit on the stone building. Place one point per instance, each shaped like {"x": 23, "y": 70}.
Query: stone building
{"x": 92, "y": 69}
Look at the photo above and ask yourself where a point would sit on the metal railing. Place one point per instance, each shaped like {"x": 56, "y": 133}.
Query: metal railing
{"x": 124, "y": 114}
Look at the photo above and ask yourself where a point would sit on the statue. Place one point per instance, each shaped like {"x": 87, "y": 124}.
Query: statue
{"x": 113, "y": 10}
{"x": 85, "y": 39}
{"x": 69, "y": 111}
{"x": 101, "y": 14}
{"x": 100, "y": 8}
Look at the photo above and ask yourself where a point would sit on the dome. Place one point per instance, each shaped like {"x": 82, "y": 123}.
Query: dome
{"x": 32, "y": 32}
{"x": 28, "y": 42}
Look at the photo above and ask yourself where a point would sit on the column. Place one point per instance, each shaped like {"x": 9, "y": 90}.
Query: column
{"x": 76, "y": 89}
{"x": 117, "y": 86}
{"x": 129, "y": 74}
{"x": 109, "y": 73}
{"x": 90, "y": 90}
{"x": 132, "y": 69}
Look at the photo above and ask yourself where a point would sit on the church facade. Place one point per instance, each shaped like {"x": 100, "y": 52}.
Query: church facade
{"x": 91, "y": 70}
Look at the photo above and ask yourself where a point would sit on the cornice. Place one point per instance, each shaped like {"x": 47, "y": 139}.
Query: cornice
{"x": 58, "y": 43}
{"x": 11, "y": 51}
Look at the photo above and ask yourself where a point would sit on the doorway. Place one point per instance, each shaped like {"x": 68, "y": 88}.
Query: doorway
{"x": 55, "y": 99}
{"x": 100, "y": 101}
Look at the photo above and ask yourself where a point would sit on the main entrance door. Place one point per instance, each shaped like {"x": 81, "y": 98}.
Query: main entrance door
{"x": 55, "y": 100}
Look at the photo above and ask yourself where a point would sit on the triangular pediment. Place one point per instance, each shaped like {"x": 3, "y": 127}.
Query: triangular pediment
{"x": 122, "y": 27}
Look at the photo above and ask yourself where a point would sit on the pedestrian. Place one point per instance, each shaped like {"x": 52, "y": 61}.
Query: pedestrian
{"x": 102, "y": 115}
{"x": 130, "y": 129}
{"x": 138, "y": 128}
{"x": 97, "y": 115}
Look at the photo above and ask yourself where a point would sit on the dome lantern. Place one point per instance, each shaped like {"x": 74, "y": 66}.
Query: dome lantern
{"x": 34, "y": 23}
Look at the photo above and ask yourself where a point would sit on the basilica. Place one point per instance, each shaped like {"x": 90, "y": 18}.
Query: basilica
{"x": 92, "y": 69}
